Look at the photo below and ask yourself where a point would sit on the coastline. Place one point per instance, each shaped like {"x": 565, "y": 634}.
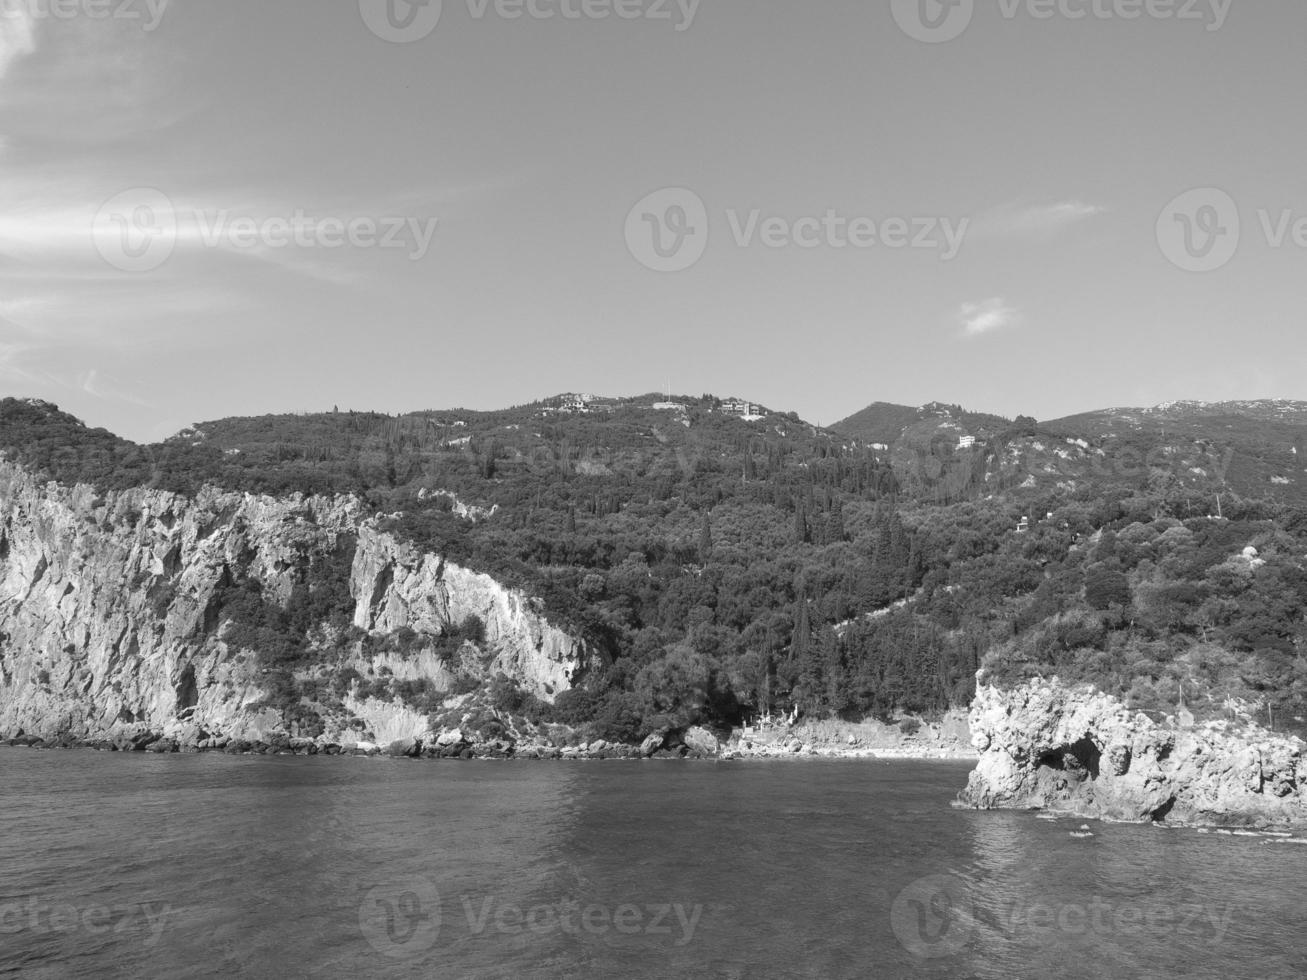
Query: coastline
{"x": 947, "y": 739}
{"x": 432, "y": 749}
{"x": 1269, "y": 831}
{"x": 561, "y": 755}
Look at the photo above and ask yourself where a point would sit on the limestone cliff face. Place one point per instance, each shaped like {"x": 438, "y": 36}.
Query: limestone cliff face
{"x": 1080, "y": 751}
{"x": 107, "y": 620}
{"x": 398, "y": 586}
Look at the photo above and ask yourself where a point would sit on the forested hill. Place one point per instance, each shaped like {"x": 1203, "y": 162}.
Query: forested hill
{"x": 732, "y": 559}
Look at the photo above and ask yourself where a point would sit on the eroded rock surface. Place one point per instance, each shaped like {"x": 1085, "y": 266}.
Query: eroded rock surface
{"x": 108, "y": 625}
{"x": 1080, "y": 751}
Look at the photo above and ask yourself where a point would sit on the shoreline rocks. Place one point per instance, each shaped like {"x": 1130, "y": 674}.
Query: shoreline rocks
{"x": 693, "y": 744}
{"x": 1080, "y": 752}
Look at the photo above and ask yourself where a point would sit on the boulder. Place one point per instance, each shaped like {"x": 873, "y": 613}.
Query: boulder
{"x": 702, "y": 742}
{"x": 405, "y": 748}
{"x": 652, "y": 744}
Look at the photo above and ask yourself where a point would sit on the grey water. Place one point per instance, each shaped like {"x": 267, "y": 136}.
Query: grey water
{"x": 188, "y": 866}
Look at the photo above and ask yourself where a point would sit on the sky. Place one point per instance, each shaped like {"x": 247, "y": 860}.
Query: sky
{"x": 235, "y": 207}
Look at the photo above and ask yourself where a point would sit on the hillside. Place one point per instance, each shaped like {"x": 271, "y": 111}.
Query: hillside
{"x": 1253, "y": 448}
{"x": 718, "y": 560}
{"x": 887, "y": 424}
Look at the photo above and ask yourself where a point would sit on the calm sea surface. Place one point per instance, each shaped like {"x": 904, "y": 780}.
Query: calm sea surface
{"x": 214, "y": 866}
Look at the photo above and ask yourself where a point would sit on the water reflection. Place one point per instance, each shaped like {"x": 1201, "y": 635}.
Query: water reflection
{"x": 1127, "y": 901}
{"x": 362, "y": 867}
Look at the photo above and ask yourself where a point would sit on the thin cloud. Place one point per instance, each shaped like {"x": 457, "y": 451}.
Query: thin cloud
{"x": 89, "y": 81}
{"x": 105, "y": 388}
{"x": 1026, "y": 221}
{"x": 17, "y": 37}
{"x": 978, "y": 319}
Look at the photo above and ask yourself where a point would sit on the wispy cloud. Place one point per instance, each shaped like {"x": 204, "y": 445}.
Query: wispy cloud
{"x": 89, "y": 81}
{"x": 1026, "y": 220}
{"x": 978, "y": 319}
{"x": 17, "y": 37}
{"x": 101, "y": 386}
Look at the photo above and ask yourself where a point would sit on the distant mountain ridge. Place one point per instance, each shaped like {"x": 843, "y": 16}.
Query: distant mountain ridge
{"x": 1254, "y": 447}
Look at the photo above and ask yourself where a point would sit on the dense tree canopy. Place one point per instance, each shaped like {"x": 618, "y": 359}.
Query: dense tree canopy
{"x": 731, "y": 568}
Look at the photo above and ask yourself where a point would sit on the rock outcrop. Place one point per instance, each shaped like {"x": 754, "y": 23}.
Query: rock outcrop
{"x": 1078, "y": 751}
{"x": 109, "y": 627}
{"x": 398, "y": 586}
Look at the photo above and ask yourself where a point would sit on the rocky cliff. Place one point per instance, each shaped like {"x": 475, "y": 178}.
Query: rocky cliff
{"x": 110, "y": 624}
{"x": 1078, "y": 751}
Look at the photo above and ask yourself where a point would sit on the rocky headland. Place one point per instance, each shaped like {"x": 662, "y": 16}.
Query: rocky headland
{"x": 1077, "y": 751}
{"x": 112, "y": 631}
